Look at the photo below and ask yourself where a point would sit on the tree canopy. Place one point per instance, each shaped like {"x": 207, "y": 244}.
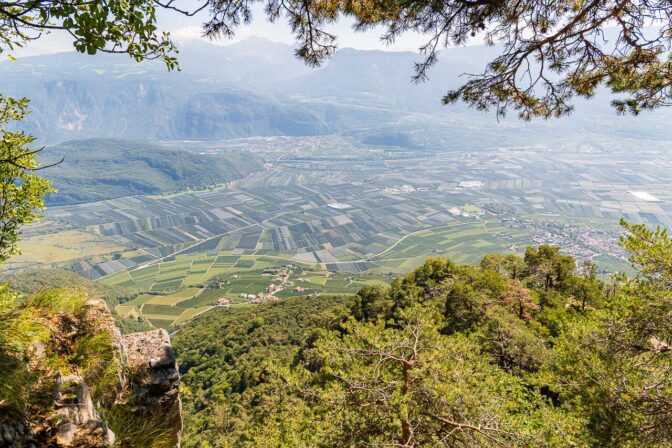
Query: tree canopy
{"x": 112, "y": 26}
{"x": 21, "y": 190}
{"x": 448, "y": 355}
{"x": 551, "y": 52}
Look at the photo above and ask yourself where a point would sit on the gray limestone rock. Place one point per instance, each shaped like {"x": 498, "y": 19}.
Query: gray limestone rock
{"x": 150, "y": 388}
{"x": 76, "y": 412}
{"x": 153, "y": 373}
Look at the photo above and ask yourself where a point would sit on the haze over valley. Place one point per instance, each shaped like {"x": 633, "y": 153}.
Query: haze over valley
{"x": 259, "y": 88}
{"x": 348, "y": 173}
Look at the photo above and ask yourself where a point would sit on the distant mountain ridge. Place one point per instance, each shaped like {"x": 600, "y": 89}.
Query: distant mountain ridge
{"x": 258, "y": 88}
{"x": 222, "y": 92}
{"x": 98, "y": 169}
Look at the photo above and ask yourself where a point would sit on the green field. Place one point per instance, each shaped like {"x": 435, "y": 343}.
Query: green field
{"x": 274, "y": 218}
{"x": 181, "y": 287}
{"x": 172, "y": 300}
{"x": 462, "y": 242}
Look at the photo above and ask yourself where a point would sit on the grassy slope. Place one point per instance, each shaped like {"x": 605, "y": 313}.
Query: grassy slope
{"x": 36, "y": 280}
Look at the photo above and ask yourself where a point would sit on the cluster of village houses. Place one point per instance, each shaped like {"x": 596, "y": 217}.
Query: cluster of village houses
{"x": 278, "y": 274}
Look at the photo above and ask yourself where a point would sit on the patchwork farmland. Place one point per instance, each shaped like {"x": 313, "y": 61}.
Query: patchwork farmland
{"x": 197, "y": 233}
{"x": 248, "y": 280}
{"x": 171, "y": 248}
{"x": 341, "y": 220}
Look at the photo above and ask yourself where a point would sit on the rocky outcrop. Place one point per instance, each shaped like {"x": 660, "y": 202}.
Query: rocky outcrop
{"x": 154, "y": 377}
{"x": 14, "y": 430}
{"x": 132, "y": 387}
{"x": 78, "y": 422}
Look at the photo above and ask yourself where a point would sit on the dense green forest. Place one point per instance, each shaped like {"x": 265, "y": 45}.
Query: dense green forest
{"x": 97, "y": 169}
{"x": 526, "y": 351}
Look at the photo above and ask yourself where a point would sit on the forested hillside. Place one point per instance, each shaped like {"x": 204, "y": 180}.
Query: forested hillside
{"x": 97, "y": 169}
{"x": 227, "y": 360}
{"x": 519, "y": 351}
{"x": 35, "y": 280}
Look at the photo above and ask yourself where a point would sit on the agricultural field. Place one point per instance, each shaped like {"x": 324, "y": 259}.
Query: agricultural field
{"x": 342, "y": 218}
{"x": 172, "y": 302}
{"x": 461, "y": 242}
{"x": 63, "y": 246}
{"x": 162, "y": 311}
{"x": 192, "y": 234}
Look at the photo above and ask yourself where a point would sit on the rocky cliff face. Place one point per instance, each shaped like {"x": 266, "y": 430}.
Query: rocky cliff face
{"x": 154, "y": 378}
{"x": 88, "y": 386}
{"x": 77, "y": 420}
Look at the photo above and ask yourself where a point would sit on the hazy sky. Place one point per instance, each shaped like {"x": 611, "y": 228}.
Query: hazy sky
{"x": 190, "y": 28}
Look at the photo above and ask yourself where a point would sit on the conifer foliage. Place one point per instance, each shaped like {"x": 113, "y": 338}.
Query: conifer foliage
{"x": 519, "y": 351}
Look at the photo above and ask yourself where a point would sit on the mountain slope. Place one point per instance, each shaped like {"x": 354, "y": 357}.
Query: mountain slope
{"x": 99, "y": 169}
{"x": 76, "y": 96}
{"x": 258, "y": 88}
